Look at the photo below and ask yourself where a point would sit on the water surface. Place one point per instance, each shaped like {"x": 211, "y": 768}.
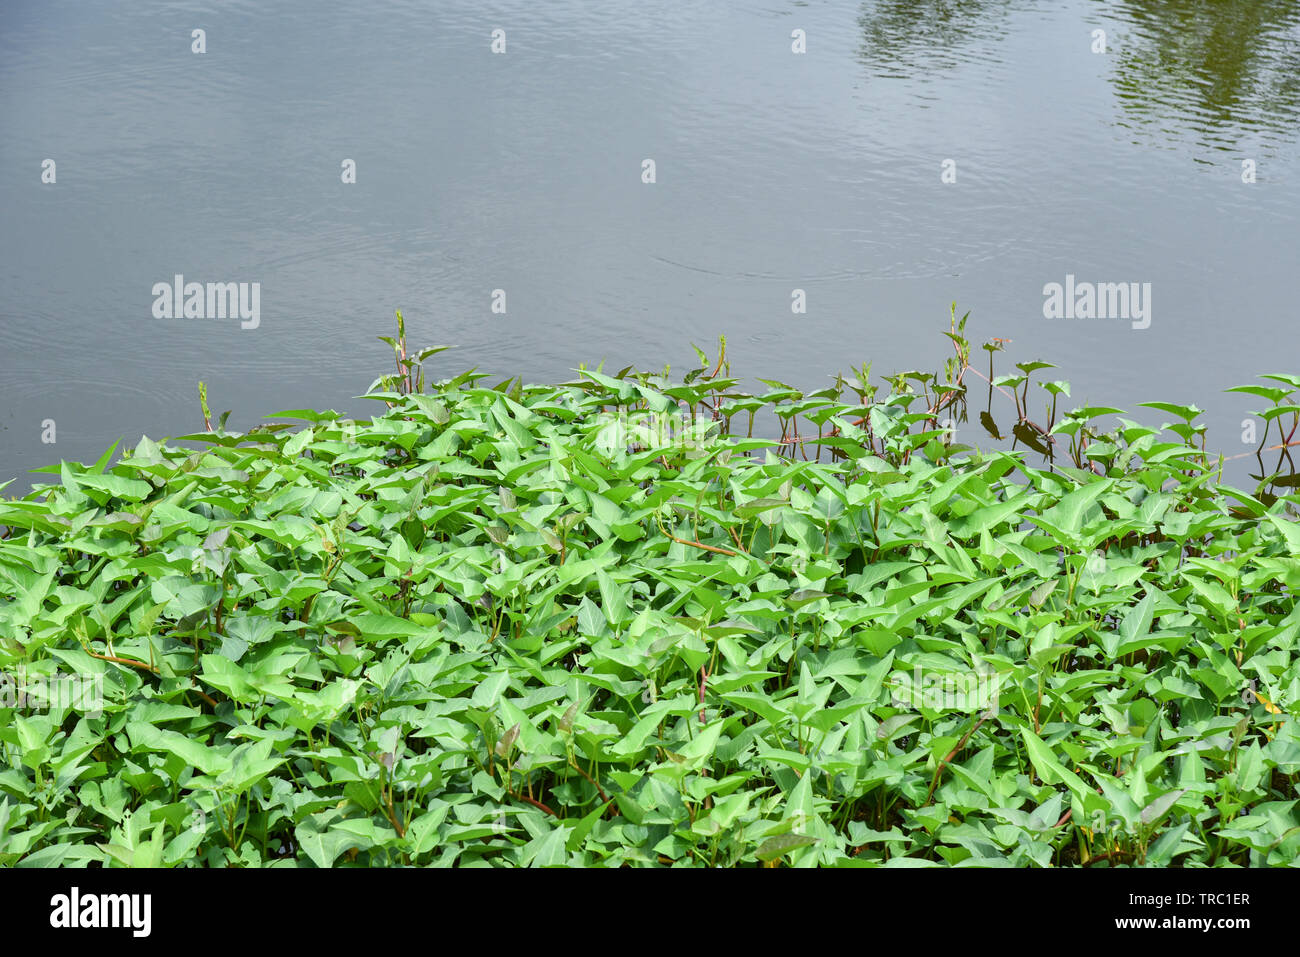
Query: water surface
{"x": 522, "y": 171}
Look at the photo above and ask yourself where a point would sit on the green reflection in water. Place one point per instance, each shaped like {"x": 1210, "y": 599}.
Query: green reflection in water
{"x": 1218, "y": 75}
{"x": 1224, "y": 73}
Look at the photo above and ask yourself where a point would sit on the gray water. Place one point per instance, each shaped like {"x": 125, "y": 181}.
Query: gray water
{"x": 522, "y": 171}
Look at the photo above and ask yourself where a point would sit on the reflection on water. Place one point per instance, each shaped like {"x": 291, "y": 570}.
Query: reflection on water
{"x": 1222, "y": 74}
{"x": 916, "y": 39}
{"x": 1226, "y": 73}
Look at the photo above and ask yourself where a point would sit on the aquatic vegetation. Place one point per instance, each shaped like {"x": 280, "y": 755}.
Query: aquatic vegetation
{"x": 528, "y": 625}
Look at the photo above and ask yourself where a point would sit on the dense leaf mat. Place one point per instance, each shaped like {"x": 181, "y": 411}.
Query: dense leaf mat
{"x": 477, "y": 631}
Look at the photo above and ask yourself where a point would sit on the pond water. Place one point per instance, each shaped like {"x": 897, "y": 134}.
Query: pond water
{"x": 918, "y": 153}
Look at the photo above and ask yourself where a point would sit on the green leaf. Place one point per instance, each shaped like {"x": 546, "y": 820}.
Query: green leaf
{"x": 782, "y": 844}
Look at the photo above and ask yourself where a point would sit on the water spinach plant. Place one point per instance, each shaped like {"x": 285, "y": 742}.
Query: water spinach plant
{"x": 604, "y": 622}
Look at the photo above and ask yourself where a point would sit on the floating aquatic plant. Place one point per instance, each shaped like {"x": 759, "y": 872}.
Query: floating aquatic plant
{"x": 475, "y": 629}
